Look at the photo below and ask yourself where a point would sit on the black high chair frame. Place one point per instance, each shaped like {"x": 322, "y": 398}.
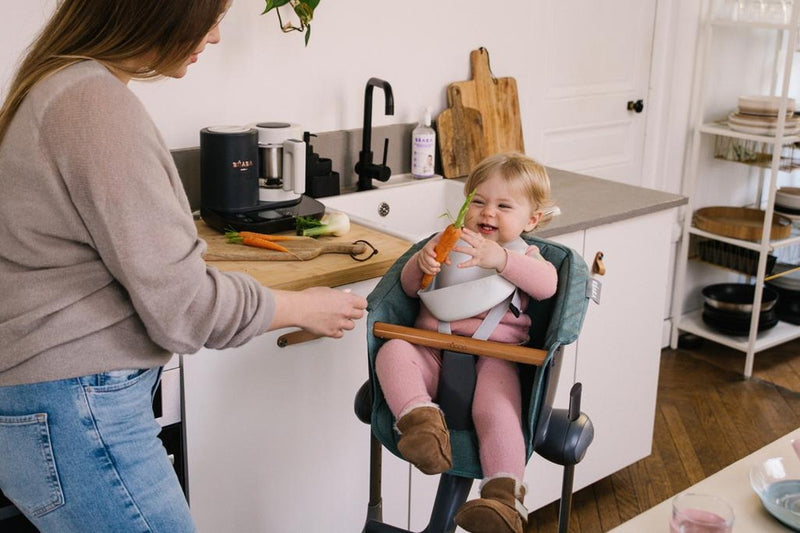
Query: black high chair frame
{"x": 561, "y": 436}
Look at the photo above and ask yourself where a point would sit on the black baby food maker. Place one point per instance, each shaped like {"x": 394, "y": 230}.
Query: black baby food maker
{"x": 253, "y": 178}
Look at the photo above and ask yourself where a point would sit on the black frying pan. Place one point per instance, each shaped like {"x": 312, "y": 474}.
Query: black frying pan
{"x": 738, "y": 297}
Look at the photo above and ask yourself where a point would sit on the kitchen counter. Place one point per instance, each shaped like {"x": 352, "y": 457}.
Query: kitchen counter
{"x": 329, "y": 270}
{"x": 586, "y": 202}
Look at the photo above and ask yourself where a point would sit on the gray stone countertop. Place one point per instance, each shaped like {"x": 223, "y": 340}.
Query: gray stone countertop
{"x": 586, "y": 202}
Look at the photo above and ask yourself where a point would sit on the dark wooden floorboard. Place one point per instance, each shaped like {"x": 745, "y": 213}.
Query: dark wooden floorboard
{"x": 707, "y": 417}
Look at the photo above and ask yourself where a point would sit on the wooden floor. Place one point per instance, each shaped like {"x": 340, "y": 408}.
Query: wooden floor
{"x": 707, "y": 417}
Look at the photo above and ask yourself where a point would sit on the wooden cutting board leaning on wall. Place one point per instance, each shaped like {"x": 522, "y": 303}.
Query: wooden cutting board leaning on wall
{"x": 461, "y": 142}
{"x": 497, "y": 101}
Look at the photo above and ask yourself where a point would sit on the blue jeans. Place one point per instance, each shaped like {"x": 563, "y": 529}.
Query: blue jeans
{"x": 82, "y": 454}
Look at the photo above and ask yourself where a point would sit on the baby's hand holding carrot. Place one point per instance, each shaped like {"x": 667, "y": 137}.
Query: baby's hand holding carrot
{"x": 485, "y": 253}
{"x": 426, "y": 259}
{"x": 447, "y": 239}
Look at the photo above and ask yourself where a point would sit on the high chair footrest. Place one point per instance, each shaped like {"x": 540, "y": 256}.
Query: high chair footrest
{"x": 566, "y": 440}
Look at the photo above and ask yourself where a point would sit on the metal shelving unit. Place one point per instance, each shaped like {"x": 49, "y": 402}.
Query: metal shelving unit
{"x": 691, "y": 321}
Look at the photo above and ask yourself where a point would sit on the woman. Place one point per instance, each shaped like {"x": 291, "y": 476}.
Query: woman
{"x": 101, "y": 270}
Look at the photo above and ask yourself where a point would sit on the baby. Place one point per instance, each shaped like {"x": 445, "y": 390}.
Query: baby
{"x": 511, "y": 193}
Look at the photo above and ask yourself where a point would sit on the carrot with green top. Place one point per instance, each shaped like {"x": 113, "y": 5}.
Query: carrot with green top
{"x": 448, "y": 239}
{"x": 258, "y": 240}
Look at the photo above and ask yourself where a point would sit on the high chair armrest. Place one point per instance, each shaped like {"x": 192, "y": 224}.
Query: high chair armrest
{"x": 457, "y": 343}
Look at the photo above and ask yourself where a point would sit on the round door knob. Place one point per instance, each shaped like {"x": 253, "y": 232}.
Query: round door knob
{"x": 636, "y": 106}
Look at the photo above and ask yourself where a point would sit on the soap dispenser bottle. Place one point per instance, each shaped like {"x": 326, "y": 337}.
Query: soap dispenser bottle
{"x": 423, "y": 148}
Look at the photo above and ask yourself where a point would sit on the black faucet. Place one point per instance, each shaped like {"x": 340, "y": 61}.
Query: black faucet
{"x": 365, "y": 168}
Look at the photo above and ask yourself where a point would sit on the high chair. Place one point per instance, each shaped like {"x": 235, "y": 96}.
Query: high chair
{"x": 559, "y": 435}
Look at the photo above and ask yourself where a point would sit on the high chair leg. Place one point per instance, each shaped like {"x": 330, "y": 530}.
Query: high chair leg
{"x": 565, "y": 506}
{"x": 375, "y": 506}
{"x": 450, "y": 496}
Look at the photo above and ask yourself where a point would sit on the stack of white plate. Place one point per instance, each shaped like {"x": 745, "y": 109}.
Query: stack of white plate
{"x": 759, "y": 115}
{"x": 787, "y": 202}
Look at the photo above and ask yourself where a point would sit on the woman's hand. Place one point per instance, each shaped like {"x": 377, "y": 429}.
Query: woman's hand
{"x": 319, "y": 310}
{"x": 485, "y": 253}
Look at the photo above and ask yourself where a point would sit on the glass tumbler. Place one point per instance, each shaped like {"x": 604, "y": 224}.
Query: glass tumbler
{"x": 700, "y": 513}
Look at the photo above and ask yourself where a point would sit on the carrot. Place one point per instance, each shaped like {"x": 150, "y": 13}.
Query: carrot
{"x": 448, "y": 239}
{"x": 249, "y": 238}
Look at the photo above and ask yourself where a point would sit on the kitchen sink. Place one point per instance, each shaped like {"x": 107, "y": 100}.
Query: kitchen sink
{"x": 409, "y": 208}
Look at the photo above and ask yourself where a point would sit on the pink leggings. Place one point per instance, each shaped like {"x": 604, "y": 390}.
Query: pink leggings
{"x": 409, "y": 376}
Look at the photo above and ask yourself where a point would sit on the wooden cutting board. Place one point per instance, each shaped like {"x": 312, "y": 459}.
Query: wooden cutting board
{"x": 301, "y": 248}
{"x": 327, "y": 270}
{"x": 496, "y": 99}
{"x": 461, "y": 142}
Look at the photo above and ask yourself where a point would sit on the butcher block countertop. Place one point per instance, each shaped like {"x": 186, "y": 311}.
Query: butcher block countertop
{"x": 328, "y": 270}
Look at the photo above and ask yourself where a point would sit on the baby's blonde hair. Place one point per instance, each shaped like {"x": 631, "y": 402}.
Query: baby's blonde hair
{"x": 522, "y": 172}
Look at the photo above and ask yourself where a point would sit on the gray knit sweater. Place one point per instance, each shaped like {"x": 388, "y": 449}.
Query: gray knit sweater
{"x": 100, "y": 263}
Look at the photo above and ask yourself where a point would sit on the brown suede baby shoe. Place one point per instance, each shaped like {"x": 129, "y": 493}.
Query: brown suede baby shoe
{"x": 424, "y": 440}
{"x": 499, "y": 509}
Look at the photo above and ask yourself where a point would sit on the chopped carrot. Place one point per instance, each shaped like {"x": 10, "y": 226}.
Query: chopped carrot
{"x": 448, "y": 239}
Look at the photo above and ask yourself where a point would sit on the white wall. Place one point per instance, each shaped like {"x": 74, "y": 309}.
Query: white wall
{"x": 258, "y": 73}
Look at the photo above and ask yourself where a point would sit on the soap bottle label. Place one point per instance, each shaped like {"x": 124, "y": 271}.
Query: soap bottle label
{"x": 423, "y": 152}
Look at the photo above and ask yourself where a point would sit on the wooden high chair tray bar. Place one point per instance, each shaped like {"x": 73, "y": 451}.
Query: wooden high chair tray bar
{"x": 457, "y": 343}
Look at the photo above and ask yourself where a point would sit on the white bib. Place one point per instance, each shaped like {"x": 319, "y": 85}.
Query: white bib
{"x": 458, "y": 293}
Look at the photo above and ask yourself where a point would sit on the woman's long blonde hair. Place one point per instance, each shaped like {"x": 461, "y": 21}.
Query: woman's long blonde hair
{"x": 111, "y": 32}
{"x": 523, "y": 172}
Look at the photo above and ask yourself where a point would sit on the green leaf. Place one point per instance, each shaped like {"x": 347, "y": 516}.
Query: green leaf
{"x": 303, "y": 9}
{"x": 304, "y": 13}
{"x": 274, "y": 4}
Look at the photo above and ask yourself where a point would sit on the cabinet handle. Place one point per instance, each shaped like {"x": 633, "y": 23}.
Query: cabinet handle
{"x": 296, "y": 337}
{"x": 597, "y": 266}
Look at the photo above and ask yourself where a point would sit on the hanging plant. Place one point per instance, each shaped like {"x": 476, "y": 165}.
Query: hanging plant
{"x": 304, "y": 9}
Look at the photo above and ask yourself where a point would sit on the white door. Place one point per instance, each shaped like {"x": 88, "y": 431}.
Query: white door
{"x": 592, "y": 59}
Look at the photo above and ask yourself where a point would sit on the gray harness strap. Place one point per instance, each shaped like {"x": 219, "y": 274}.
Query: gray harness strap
{"x": 492, "y": 318}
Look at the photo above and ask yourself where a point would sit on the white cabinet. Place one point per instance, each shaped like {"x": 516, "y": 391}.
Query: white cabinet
{"x": 273, "y": 444}
{"x": 619, "y": 348}
{"x": 768, "y": 48}
{"x": 616, "y": 358}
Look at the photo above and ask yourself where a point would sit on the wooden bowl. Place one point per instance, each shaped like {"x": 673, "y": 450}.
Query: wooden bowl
{"x": 740, "y": 223}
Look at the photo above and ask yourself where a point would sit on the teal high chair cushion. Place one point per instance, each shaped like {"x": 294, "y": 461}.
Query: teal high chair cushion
{"x": 555, "y": 322}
